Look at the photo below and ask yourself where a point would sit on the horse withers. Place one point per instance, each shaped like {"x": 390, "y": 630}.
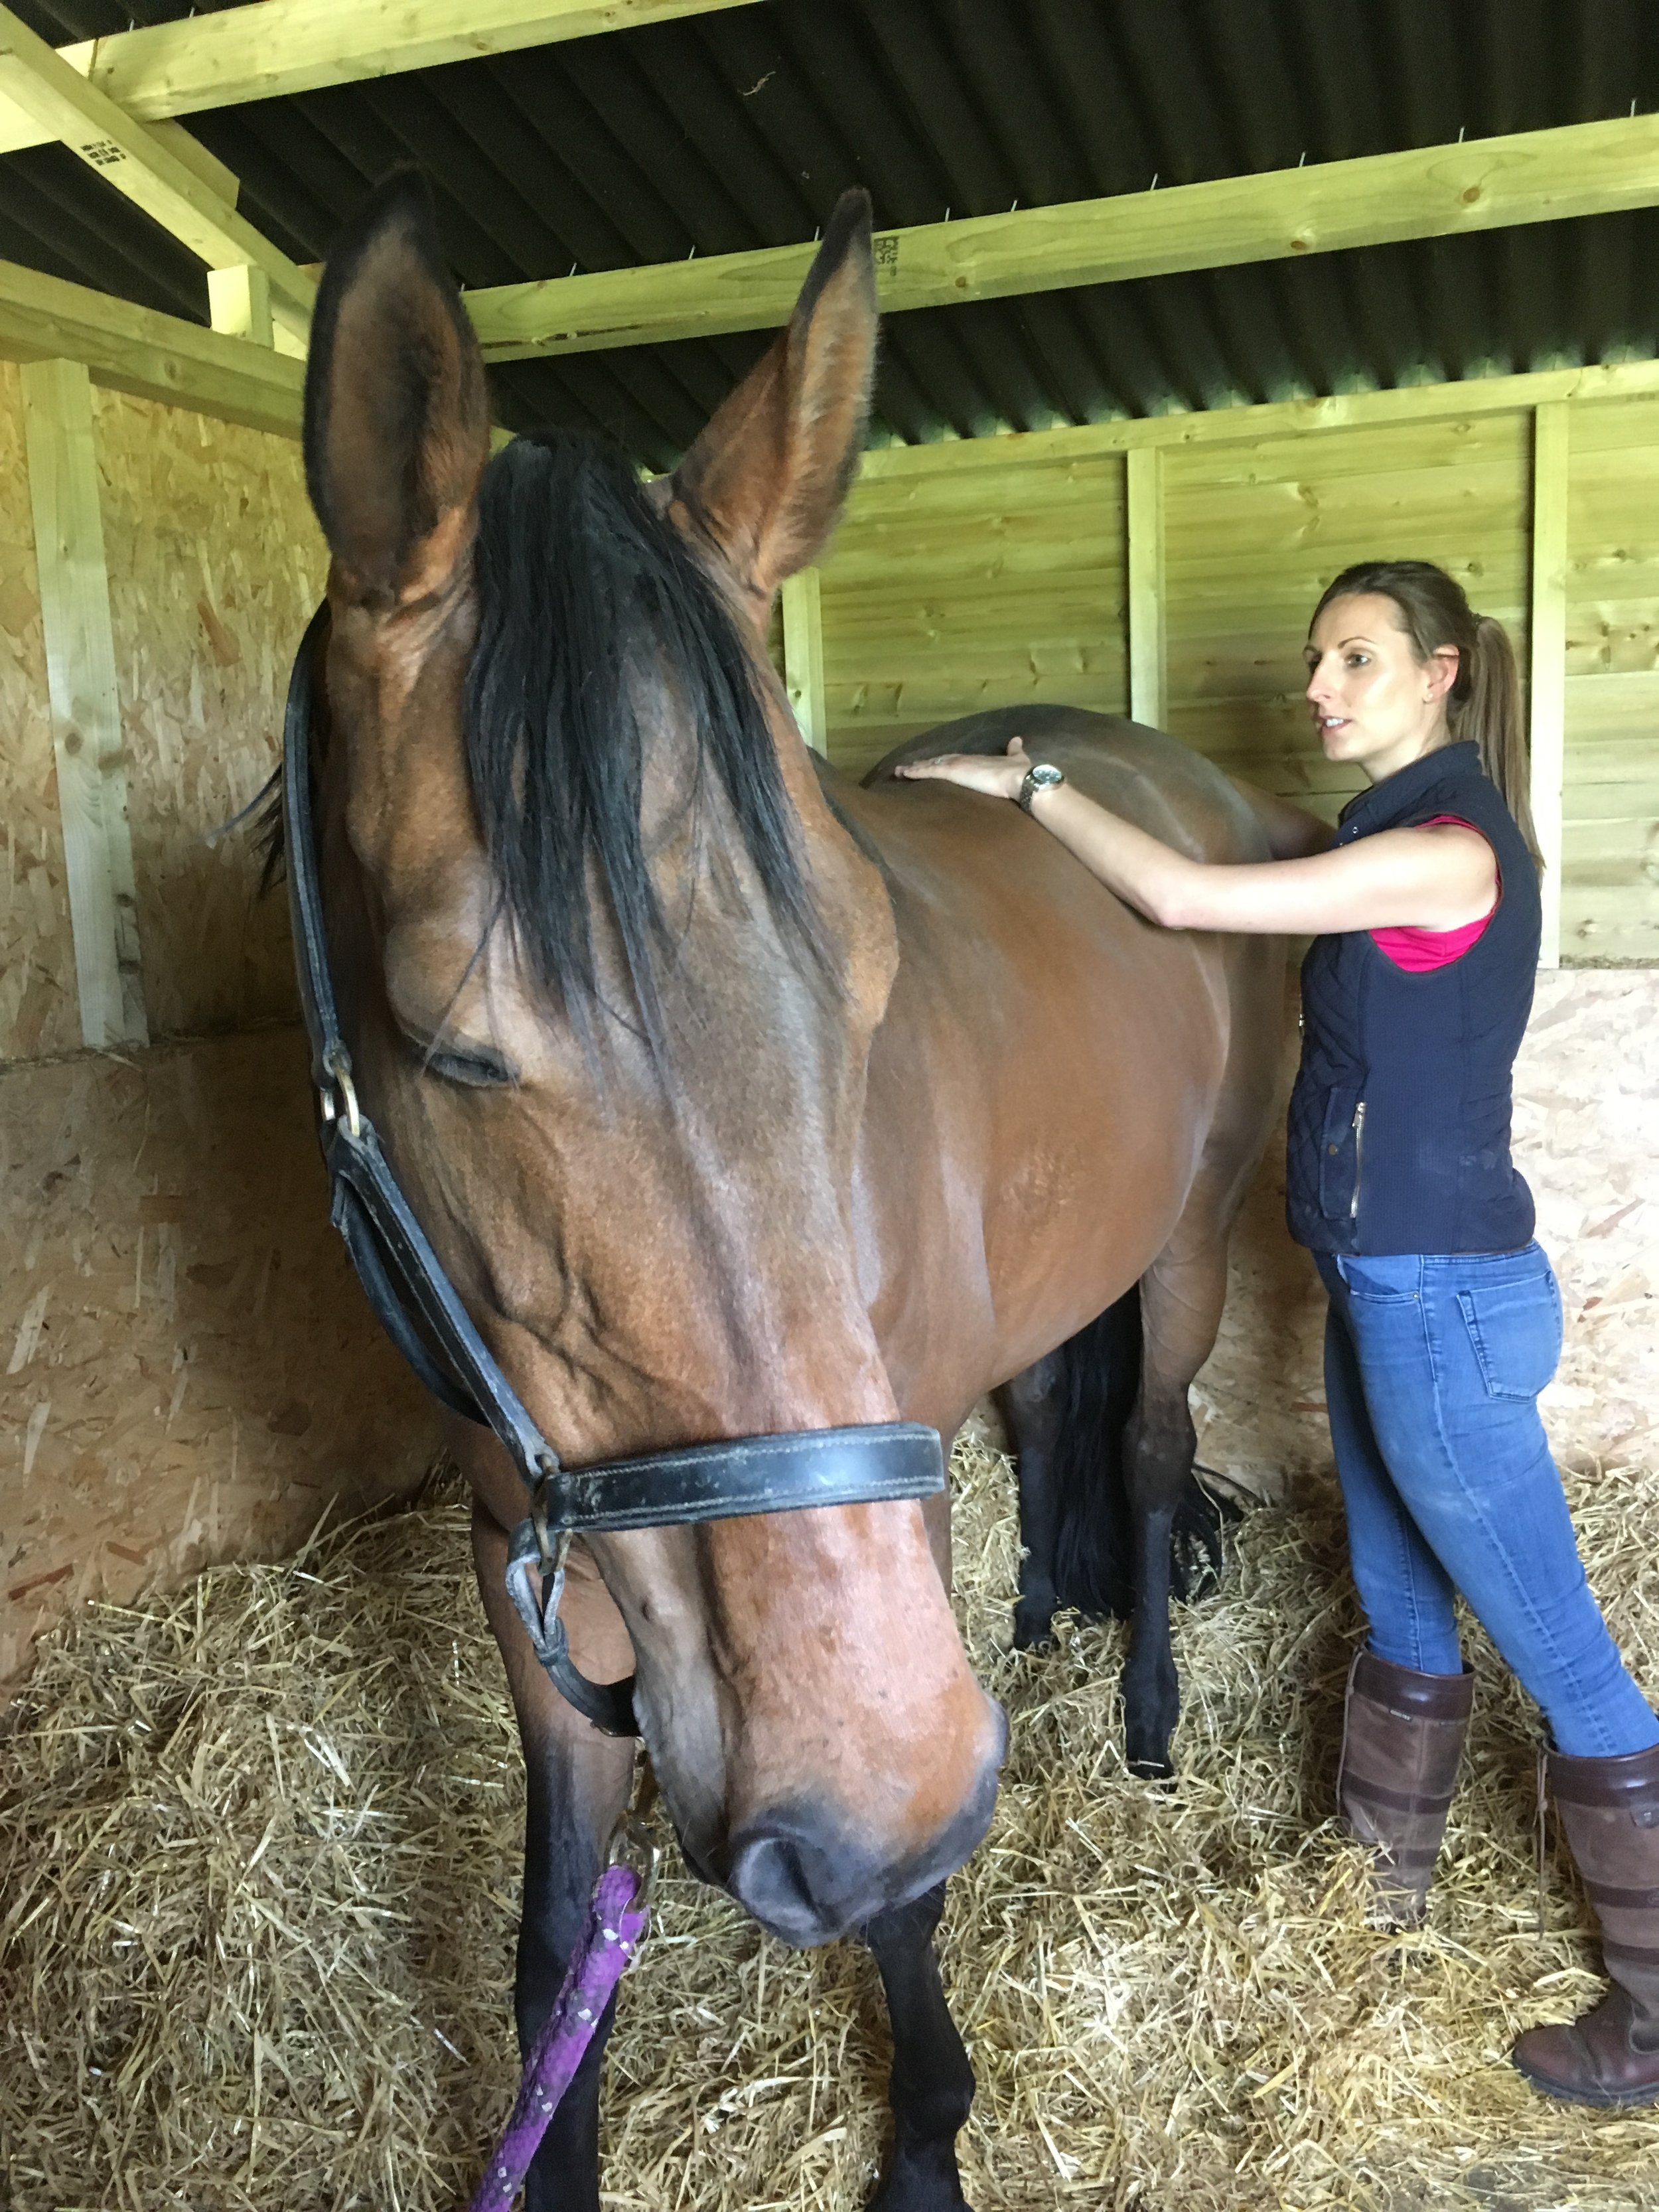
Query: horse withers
{"x": 735, "y": 1100}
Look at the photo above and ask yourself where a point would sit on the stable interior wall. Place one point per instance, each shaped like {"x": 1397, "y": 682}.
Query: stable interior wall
{"x": 969, "y": 577}
{"x": 951, "y": 589}
{"x": 1253, "y": 532}
{"x": 1610, "y": 878}
{"x": 994, "y": 573}
{"x": 187, "y": 1369}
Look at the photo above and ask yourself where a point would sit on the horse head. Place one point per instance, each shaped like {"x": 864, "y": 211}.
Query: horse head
{"x": 609, "y": 966}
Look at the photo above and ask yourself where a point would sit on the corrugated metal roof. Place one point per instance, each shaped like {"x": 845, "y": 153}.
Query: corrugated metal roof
{"x": 739, "y": 128}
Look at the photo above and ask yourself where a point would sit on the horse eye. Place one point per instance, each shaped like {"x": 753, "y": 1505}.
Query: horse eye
{"x": 477, "y": 1070}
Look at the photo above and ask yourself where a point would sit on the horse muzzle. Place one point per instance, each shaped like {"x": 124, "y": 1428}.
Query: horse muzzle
{"x": 808, "y": 1875}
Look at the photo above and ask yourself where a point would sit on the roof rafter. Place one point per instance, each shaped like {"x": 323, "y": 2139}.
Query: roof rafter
{"x": 1436, "y": 192}
{"x": 278, "y": 46}
{"x": 181, "y": 194}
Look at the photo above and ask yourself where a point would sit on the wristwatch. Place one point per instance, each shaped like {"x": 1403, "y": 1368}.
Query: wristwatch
{"x": 1042, "y": 776}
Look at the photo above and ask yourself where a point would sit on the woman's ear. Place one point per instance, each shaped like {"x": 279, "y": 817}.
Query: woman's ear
{"x": 1442, "y": 672}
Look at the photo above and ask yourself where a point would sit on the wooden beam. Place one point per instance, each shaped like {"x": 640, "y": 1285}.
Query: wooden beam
{"x": 142, "y": 164}
{"x": 1549, "y": 656}
{"x": 1148, "y": 648}
{"x": 1242, "y": 426}
{"x": 1535, "y": 176}
{"x": 86, "y": 709}
{"x": 238, "y": 301}
{"x": 279, "y": 46}
{"x": 154, "y": 356}
{"x": 803, "y": 656}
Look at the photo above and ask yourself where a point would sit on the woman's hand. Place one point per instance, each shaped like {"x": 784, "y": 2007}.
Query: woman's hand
{"x": 999, "y": 776}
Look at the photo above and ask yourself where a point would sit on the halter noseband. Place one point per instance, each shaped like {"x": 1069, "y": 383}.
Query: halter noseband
{"x": 417, "y": 1305}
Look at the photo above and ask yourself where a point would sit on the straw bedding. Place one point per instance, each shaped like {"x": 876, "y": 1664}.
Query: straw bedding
{"x": 259, "y": 1859}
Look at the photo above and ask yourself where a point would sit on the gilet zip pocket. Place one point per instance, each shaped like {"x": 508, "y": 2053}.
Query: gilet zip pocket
{"x": 1359, "y": 1158}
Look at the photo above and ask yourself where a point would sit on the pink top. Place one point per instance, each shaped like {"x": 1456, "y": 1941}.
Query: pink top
{"x": 1417, "y": 951}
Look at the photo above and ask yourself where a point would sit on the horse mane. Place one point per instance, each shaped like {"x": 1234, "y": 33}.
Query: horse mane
{"x": 592, "y": 602}
{"x": 590, "y": 598}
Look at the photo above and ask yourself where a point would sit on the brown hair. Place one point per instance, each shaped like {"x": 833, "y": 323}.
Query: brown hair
{"x": 1485, "y": 700}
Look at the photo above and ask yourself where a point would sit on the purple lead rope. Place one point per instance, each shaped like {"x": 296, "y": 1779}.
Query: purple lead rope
{"x": 616, "y": 1924}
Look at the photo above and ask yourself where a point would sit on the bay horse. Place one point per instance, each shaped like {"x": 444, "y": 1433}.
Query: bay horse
{"x": 735, "y": 1098}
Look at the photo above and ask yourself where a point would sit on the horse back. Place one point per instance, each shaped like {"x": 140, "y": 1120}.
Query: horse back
{"x": 1057, "y": 1081}
{"x": 1166, "y": 787}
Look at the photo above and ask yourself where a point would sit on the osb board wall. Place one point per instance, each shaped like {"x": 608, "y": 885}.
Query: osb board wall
{"x": 947, "y": 591}
{"x": 216, "y": 563}
{"x": 188, "y": 1370}
{"x": 1587, "y": 1098}
{"x": 1253, "y": 534}
{"x": 1610, "y": 877}
{"x": 39, "y": 1009}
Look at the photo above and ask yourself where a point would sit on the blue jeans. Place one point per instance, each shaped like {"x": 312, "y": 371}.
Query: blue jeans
{"x": 1432, "y": 1371}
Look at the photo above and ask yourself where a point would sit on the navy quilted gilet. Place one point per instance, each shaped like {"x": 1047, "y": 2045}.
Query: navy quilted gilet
{"x": 1399, "y": 1136}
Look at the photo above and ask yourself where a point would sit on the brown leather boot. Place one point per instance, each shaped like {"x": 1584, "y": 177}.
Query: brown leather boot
{"x": 1402, "y": 1738}
{"x": 1610, "y": 1810}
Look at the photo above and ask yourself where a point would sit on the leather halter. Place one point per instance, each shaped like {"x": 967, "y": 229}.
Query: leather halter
{"x": 418, "y": 1307}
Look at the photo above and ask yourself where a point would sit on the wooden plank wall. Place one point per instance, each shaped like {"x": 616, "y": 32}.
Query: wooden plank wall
{"x": 948, "y": 590}
{"x": 961, "y": 578}
{"x": 1610, "y": 878}
{"x": 1253, "y": 533}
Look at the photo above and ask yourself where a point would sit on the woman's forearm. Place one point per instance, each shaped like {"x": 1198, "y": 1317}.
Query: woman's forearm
{"x": 1431, "y": 878}
{"x": 1160, "y": 883}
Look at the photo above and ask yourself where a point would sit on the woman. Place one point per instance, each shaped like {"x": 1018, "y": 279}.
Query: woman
{"x": 1445, "y": 1321}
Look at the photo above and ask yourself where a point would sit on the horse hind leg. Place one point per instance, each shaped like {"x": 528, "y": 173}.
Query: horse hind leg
{"x": 1032, "y": 1408}
{"x": 1066, "y": 1416}
{"x": 1181, "y": 1300}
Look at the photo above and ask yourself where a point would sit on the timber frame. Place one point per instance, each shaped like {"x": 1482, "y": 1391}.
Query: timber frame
{"x": 113, "y": 102}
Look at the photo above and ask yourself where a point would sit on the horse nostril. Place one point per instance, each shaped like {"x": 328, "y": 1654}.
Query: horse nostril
{"x": 789, "y": 1885}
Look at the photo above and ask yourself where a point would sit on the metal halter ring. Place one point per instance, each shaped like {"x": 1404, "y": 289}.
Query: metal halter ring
{"x": 337, "y": 1066}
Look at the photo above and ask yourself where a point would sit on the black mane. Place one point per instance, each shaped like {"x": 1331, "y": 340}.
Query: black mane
{"x": 590, "y": 598}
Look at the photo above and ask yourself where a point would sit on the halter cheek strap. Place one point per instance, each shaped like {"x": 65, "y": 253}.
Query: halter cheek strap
{"x": 418, "y": 1307}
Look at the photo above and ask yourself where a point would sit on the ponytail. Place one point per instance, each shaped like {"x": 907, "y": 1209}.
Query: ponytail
{"x": 1485, "y": 700}
{"x": 1490, "y": 712}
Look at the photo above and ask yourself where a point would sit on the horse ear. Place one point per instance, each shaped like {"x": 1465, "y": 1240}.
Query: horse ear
{"x": 396, "y": 413}
{"x": 768, "y": 477}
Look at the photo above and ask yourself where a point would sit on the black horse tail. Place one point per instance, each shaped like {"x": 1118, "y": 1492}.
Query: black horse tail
{"x": 1094, "y": 1549}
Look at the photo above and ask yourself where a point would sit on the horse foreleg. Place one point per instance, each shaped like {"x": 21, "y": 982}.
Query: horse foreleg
{"x": 576, "y": 1783}
{"x": 1030, "y": 1405}
{"x": 1182, "y": 1295}
{"x": 931, "y": 2087}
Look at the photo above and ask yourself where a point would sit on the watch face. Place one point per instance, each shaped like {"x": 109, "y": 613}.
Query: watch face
{"x": 1045, "y": 773}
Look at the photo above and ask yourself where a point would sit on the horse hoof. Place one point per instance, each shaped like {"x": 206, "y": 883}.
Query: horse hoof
{"x": 1152, "y": 1770}
{"x": 922, "y": 2183}
{"x": 1034, "y": 1628}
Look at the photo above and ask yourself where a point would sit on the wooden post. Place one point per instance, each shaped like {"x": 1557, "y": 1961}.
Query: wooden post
{"x": 86, "y": 713}
{"x": 239, "y": 300}
{"x": 1549, "y": 655}
{"x": 1147, "y": 645}
{"x": 803, "y": 656}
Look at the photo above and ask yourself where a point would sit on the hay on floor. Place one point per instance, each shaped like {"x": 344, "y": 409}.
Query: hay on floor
{"x": 258, "y": 1862}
